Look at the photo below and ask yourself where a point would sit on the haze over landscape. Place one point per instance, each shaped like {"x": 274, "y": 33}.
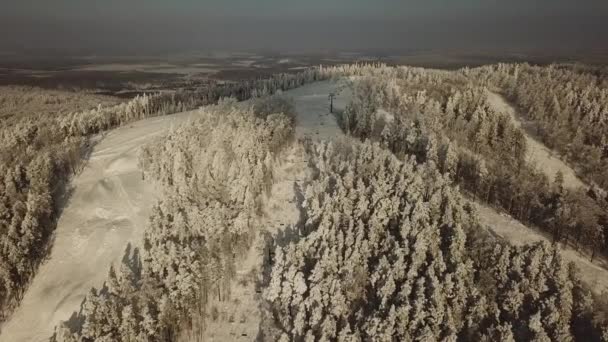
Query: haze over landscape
{"x": 342, "y": 170}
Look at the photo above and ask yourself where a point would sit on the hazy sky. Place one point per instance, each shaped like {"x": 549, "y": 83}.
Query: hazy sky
{"x": 306, "y": 25}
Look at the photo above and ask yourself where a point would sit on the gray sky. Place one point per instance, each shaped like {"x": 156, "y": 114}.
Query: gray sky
{"x": 120, "y": 26}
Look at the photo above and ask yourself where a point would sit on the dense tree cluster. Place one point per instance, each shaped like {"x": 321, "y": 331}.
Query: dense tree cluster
{"x": 390, "y": 251}
{"x": 39, "y": 153}
{"x": 214, "y": 171}
{"x": 441, "y": 117}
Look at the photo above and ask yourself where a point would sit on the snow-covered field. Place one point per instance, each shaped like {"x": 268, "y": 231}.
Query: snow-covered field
{"x": 163, "y": 68}
{"x": 544, "y": 158}
{"x": 109, "y": 209}
{"x": 110, "y": 205}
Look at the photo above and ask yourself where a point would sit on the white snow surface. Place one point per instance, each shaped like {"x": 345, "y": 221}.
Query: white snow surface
{"x": 239, "y": 317}
{"x": 111, "y": 203}
{"x": 594, "y": 274}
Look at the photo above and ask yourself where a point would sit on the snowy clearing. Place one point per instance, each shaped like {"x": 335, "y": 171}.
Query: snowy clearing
{"x": 517, "y": 233}
{"x": 544, "y": 158}
{"x": 312, "y": 106}
{"x": 239, "y": 318}
{"x": 161, "y": 68}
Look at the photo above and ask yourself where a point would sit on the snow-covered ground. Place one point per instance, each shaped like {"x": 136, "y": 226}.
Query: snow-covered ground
{"x": 161, "y": 68}
{"x": 109, "y": 209}
{"x": 544, "y": 158}
{"x": 239, "y": 318}
{"x": 110, "y": 205}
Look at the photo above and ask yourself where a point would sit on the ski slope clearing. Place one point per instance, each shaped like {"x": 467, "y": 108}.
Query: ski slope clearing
{"x": 544, "y": 158}
{"x": 314, "y": 119}
{"x": 517, "y": 233}
{"x": 508, "y": 228}
{"x": 108, "y": 209}
{"x": 238, "y": 319}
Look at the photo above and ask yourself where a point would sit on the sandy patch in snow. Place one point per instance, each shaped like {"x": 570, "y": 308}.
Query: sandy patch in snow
{"x": 544, "y": 158}
{"x": 108, "y": 209}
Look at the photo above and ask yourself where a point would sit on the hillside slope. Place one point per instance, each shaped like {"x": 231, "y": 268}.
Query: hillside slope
{"x": 107, "y": 210}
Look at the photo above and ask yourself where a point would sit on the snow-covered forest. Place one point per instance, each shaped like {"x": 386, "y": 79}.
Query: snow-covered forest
{"x": 567, "y": 106}
{"x": 214, "y": 171}
{"x": 39, "y": 153}
{"x": 391, "y": 251}
{"x": 445, "y": 118}
{"x": 389, "y": 244}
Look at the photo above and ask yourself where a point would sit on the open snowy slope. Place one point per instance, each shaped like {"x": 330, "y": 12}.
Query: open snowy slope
{"x": 107, "y": 210}
{"x": 544, "y": 158}
{"x": 312, "y": 106}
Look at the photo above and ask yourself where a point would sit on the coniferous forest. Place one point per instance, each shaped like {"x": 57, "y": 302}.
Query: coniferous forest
{"x": 388, "y": 245}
